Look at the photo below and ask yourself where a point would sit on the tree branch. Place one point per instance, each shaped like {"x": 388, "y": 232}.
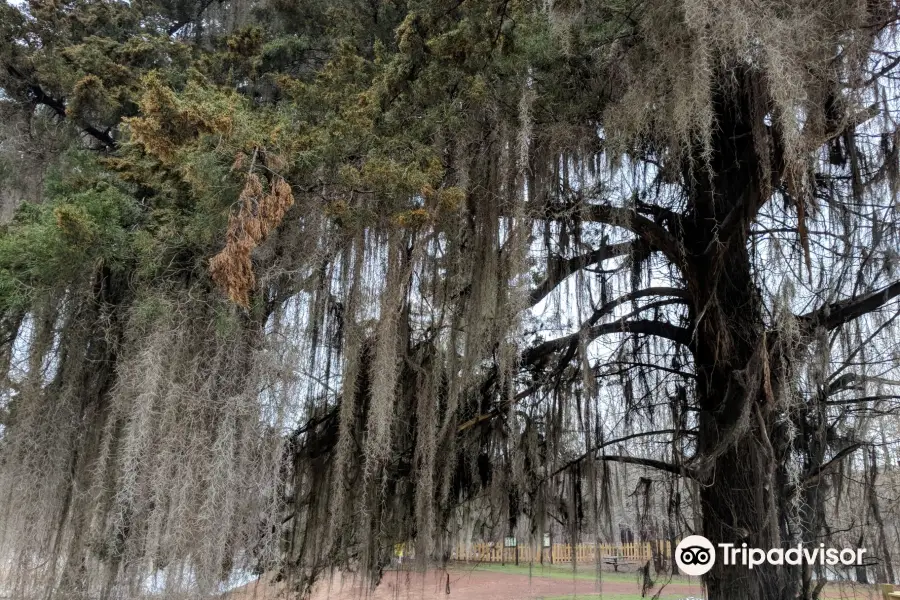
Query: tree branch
{"x": 59, "y": 108}
{"x": 538, "y": 353}
{"x": 561, "y": 268}
{"x": 659, "y": 465}
{"x": 619, "y": 440}
{"x": 862, "y": 400}
{"x": 653, "y": 234}
{"x": 645, "y": 326}
{"x": 630, "y": 296}
{"x": 39, "y": 96}
{"x": 834, "y": 315}
{"x": 814, "y": 474}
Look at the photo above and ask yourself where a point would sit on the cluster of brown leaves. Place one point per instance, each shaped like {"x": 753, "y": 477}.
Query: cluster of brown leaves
{"x": 259, "y": 214}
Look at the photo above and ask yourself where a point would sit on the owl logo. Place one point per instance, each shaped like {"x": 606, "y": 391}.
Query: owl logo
{"x": 695, "y": 555}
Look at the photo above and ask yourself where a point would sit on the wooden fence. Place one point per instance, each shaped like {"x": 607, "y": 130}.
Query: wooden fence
{"x": 639, "y": 552}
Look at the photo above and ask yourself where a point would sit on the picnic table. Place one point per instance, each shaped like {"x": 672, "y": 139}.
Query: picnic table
{"x": 616, "y": 560}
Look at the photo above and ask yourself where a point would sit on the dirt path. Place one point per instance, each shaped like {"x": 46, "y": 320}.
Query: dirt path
{"x": 470, "y": 585}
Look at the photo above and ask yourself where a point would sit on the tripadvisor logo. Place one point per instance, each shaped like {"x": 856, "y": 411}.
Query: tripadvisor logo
{"x": 696, "y": 555}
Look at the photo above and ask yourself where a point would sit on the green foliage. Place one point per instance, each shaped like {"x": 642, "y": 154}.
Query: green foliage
{"x": 85, "y": 221}
{"x": 315, "y": 91}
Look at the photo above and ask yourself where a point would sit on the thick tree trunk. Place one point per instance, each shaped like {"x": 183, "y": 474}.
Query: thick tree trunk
{"x": 738, "y": 499}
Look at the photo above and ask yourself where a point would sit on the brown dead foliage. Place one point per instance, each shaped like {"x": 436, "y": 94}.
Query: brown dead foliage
{"x": 260, "y": 212}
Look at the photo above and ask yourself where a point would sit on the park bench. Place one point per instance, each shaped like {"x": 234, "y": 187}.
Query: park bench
{"x": 889, "y": 592}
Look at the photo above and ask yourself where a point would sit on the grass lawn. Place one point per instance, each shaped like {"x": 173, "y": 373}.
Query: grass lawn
{"x": 587, "y": 572}
{"x": 830, "y": 594}
{"x": 615, "y": 596}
